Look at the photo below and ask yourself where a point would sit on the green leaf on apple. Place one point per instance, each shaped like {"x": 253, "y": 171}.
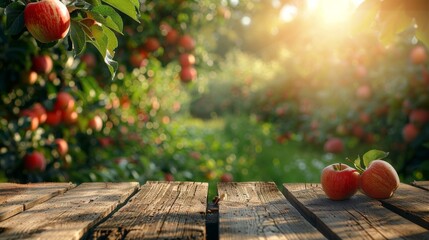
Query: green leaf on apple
{"x": 362, "y": 162}
{"x": 372, "y": 155}
{"x": 109, "y": 17}
{"x": 15, "y": 18}
{"x": 128, "y": 7}
{"x": 359, "y": 164}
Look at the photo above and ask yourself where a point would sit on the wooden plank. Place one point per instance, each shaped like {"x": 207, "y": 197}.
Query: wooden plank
{"x": 421, "y": 184}
{"x": 357, "y": 218}
{"x": 411, "y": 203}
{"x": 160, "y": 210}
{"x": 70, "y": 215}
{"x": 258, "y": 210}
{"x": 15, "y": 198}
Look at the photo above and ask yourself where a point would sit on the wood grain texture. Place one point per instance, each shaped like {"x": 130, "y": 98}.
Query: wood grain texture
{"x": 411, "y": 203}
{"x": 421, "y": 184}
{"x": 258, "y": 210}
{"x": 357, "y": 218}
{"x": 67, "y": 216}
{"x": 15, "y": 198}
{"x": 160, "y": 210}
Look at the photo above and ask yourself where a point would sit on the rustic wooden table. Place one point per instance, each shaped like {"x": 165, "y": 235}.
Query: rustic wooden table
{"x": 180, "y": 210}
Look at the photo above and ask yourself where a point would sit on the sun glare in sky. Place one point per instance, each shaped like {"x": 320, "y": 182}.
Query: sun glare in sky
{"x": 329, "y": 12}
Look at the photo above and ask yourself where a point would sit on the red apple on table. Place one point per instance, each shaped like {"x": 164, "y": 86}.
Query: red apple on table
{"x": 379, "y": 180}
{"x": 42, "y": 64}
{"x": 47, "y": 20}
{"x": 35, "y": 161}
{"x": 339, "y": 181}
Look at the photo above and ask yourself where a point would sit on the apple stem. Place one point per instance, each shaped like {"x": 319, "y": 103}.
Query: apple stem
{"x": 337, "y": 167}
{"x": 358, "y": 168}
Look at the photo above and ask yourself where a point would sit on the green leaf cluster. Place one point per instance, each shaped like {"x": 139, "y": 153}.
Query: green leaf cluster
{"x": 96, "y": 24}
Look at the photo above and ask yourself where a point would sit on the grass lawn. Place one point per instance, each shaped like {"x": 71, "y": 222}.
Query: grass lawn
{"x": 255, "y": 153}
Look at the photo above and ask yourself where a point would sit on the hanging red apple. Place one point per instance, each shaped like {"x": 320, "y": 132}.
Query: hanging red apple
{"x": 47, "y": 20}
{"x": 186, "y": 59}
{"x": 95, "y": 123}
{"x": 42, "y": 64}
{"x": 62, "y": 146}
{"x": 35, "y": 161}
{"x": 187, "y": 74}
{"x": 187, "y": 42}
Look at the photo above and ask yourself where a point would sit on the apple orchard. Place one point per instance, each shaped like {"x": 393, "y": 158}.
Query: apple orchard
{"x": 226, "y": 90}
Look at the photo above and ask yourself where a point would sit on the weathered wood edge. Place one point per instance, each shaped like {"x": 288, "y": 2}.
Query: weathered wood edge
{"x": 47, "y": 197}
{"x": 43, "y": 198}
{"x": 407, "y": 213}
{"x": 307, "y": 214}
{"x": 90, "y": 231}
{"x": 421, "y": 184}
{"x": 292, "y": 212}
{"x": 66, "y": 204}
{"x": 142, "y": 190}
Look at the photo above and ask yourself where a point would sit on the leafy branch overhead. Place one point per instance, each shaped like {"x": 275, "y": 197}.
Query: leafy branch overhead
{"x": 96, "y": 22}
{"x": 394, "y": 16}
